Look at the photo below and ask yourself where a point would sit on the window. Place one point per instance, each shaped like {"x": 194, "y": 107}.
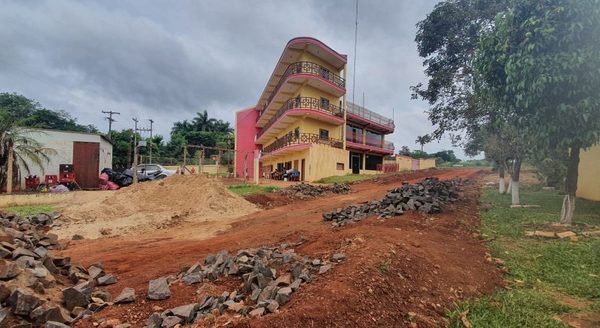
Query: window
{"x": 340, "y": 166}
{"x": 373, "y": 161}
{"x": 324, "y": 103}
{"x": 323, "y": 134}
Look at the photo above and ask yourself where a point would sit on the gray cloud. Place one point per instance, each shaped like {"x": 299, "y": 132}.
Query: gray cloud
{"x": 167, "y": 60}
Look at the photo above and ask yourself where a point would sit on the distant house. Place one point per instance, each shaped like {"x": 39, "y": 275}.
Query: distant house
{"x": 89, "y": 153}
{"x": 588, "y": 183}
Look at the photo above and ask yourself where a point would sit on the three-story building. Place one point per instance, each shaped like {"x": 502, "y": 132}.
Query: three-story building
{"x": 302, "y": 121}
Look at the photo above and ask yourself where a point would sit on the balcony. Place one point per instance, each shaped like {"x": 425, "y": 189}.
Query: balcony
{"x": 366, "y": 118}
{"x": 372, "y": 145}
{"x": 291, "y": 142}
{"x": 300, "y": 106}
{"x": 298, "y": 73}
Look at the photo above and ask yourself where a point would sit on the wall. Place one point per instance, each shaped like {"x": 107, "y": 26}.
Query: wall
{"x": 323, "y": 161}
{"x": 62, "y": 144}
{"x": 588, "y": 182}
{"x": 426, "y": 163}
{"x": 307, "y": 56}
{"x": 245, "y": 134}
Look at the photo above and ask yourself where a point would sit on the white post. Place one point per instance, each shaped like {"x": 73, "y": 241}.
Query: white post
{"x": 256, "y": 177}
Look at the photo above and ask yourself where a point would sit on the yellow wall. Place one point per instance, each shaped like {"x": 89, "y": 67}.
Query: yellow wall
{"x": 307, "y": 56}
{"x": 404, "y": 163}
{"x": 426, "y": 163}
{"x": 323, "y": 161}
{"x": 588, "y": 183}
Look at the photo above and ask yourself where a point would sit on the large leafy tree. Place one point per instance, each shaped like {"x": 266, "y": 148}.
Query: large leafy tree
{"x": 541, "y": 60}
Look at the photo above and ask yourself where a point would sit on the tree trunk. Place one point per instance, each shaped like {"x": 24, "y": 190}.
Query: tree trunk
{"x": 10, "y": 173}
{"x": 568, "y": 207}
{"x": 515, "y": 181}
{"x": 501, "y": 181}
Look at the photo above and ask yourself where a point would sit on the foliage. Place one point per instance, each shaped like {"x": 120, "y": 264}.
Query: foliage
{"x": 251, "y": 189}
{"x": 551, "y": 168}
{"x": 540, "y": 270}
{"x": 349, "y": 178}
{"x": 422, "y": 140}
{"x": 404, "y": 150}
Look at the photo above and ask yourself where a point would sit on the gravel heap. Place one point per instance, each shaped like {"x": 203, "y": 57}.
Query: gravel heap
{"x": 269, "y": 277}
{"x": 38, "y": 288}
{"x": 305, "y": 190}
{"x": 427, "y": 196}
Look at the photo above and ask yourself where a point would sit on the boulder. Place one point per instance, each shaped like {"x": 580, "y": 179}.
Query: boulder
{"x": 108, "y": 279}
{"x": 258, "y": 312}
{"x": 324, "y": 268}
{"x": 283, "y": 295}
{"x": 54, "y": 324}
{"x": 154, "y": 321}
{"x": 48, "y": 312}
{"x": 158, "y": 289}
{"x": 185, "y": 312}
{"x": 9, "y": 270}
{"x": 171, "y": 321}
{"x": 25, "y": 303}
{"x": 78, "y": 295}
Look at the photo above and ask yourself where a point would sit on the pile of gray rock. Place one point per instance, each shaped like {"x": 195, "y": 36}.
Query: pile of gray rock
{"x": 428, "y": 196}
{"x": 305, "y": 190}
{"x": 269, "y": 277}
{"x": 31, "y": 277}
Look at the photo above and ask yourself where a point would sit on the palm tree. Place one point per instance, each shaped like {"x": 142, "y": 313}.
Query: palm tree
{"x": 24, "y": 151}
{"x": 422, "y": 140}
{"x": 202, "y": 122}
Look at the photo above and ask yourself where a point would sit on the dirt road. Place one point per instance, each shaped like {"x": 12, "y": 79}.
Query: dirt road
{"x": 398, "y": 272}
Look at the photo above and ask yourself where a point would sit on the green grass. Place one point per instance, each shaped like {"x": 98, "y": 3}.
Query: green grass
{"x": 250, "y": 189}
{"x": 28, "y": 209}
{"x": 347, "y": 178}
{"x": 540, "y": 270}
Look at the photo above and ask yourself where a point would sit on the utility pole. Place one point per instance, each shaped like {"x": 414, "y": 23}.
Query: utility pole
{"x": 151, "y": 122}
{"x": 110, "y": 119}
{"x": 135, "y": 152}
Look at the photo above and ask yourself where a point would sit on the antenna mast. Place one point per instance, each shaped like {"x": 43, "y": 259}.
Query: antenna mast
{"x": 355, "y": 41}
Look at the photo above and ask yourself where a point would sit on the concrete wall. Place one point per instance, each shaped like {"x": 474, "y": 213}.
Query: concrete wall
{"x": 588, "y": 183}
{"x": 61, "y": 142}
{"x": 245, "y": 134}
{"x": 426, "y": 163}
{"x": 323, "y": 161}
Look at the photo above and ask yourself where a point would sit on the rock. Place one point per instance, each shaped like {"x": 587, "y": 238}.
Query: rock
{"x": 185, "y": 312}
{"x": 338, "y": 257}
{"x": 171, "y": 321}
{"x": 283, "y": 295}
{"x": 296, "y": 284}
{"x": 127, "y": 295}
{"x": 3, "y": 315}
{"x": 95, "y": 272}
{"x": 77, "y": 237}
{"x": 234, "y": 306}
{"x": 49, "y": 264}
{"x": 24, "y": 303}
{"x": 154, "y": 321}
{"x": 23, "y": 252}
{"x": 283, "y": 280}
{"x": 258, "y": 312}
{"x": 9, "y": 270}
{"x": 5, "y": 253}
{"x": 79, "y": 295}
{"x": 41, "y": 251}
{"x": 267, "y": 293}
{"x": 316, "y": 262}
{"x": 193, "y": 278}
{"x": 545, "y": 234}
{"x": 109, "y": 279}
{"x": 54, "y": 324}
{"x": 324, "y": 268}
{"x": 110, "y": 323}
{"x": 123, "y": 325}
{"x": 39, "y": 272}
{"x": 273, "y": 306}
{"x": 4, "y": 293}
{"x": 48, "y": 312}
{"x": 103, "y": 295}
{"x": 158, "y": 289}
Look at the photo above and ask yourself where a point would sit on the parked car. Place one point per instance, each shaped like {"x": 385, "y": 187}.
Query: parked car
{"x": 152, "y": 172}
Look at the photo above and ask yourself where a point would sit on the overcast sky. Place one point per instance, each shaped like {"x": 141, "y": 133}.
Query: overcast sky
{"x": 167, "y": 60}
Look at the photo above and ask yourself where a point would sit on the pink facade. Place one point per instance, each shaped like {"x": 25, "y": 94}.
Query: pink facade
{"x": 246, "y": 149}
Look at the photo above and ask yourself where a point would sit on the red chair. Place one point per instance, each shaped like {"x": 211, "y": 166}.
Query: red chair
{"x": 50, "y": 180}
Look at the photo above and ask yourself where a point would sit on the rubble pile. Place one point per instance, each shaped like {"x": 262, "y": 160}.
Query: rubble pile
{"x": 427, "y": 196}
{"x": 41, "y": 289}
{"x": 305, "y": 190}
{"x": 269, "y": 277}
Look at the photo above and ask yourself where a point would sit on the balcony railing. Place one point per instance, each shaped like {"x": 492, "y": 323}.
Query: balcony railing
{"x": 372, "y": 142}
{"x": 370, "y": 115}
{"x": 305, "y": 67}
{"x": 302, "y": 138}
{"x": 303, "y": 103}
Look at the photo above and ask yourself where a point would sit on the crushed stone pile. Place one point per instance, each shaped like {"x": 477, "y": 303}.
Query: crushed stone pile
{"x": 40, "y": 289}
{"x": 305, "y": 190}
{"x": 269, "y": 277}
{"x": 427, "y": 196}
{"x": 154, "y": 205}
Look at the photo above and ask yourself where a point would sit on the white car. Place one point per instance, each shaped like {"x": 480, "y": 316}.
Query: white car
{"x": 153, "y": 170}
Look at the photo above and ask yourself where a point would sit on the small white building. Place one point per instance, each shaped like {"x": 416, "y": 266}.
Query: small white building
{"x": 89, "y": 153}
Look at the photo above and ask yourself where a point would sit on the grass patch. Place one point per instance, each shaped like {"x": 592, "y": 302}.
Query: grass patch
{"x": 539, "y": 269}
{"x": 347, "y": 178}
{"x": 251, "y": 189}
{"x": 28, "y": 209}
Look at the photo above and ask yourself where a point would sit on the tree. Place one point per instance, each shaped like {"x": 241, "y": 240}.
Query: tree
{"x": 549, "y": 54}
{"x": 447, "y": 39}
{"x": 404, "y": 150}
{"x": 446, "y": 156}
{"x": 422, "y": 140}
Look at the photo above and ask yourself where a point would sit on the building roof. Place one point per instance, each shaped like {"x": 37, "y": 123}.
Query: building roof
{"x": 101, "y": 135}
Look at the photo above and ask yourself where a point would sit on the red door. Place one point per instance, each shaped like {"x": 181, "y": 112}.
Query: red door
{"x": 86, "y": 161}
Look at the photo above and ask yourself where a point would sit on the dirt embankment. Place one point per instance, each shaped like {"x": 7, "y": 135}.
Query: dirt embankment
{"x": 397, "y": 273}
{"x": 156, "y": 205}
